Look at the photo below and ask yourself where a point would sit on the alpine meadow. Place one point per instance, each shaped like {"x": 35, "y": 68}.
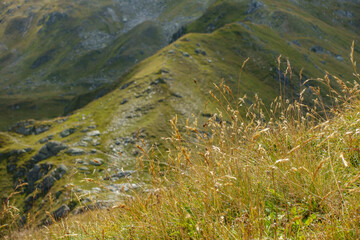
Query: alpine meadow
{"x": 179, "y": 119}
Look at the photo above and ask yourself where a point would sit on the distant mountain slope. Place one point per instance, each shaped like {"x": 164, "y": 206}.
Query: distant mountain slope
{"x": 135, "y": 110}
{"x": 51, "y": 51}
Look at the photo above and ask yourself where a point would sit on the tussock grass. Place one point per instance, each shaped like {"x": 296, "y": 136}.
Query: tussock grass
{"x": 290, "y": 171}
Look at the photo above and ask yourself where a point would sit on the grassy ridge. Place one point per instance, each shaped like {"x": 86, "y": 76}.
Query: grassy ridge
{"x": 293, "y": 176}
{"x": 176, "y": 80}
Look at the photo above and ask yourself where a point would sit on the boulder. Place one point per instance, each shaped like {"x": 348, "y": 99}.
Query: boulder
{"x": 67, "y": 132}
{"x": 254, "y": 6}
{"x": 317, "y": 49}
{"x": 46, "y": 139}
{"x": 61, "y": 212}
{"x": 47, "y": 184}
{"x": 95, "y": 133}
{"x": 29, "y": 128}
{"x": 97, "y": 162}
{"x": 59, "y": 172}
{"x": 75, "y": 152}
{"x": 120, "y": 175}
{"x": 48, "y": 150}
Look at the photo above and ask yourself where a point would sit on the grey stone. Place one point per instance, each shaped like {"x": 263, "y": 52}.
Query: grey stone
{"x": 61, "y": 212}
{"x": 339, "y": 58}
{"x": 59, "y": 172}
{"x": 82, "y": 144}
{"x": 254, "y": 6}
{"x": 95, "y": 133}
{"x": 317, "y": 49}
{"x": 29, "y": 128}
{"x": 185, "y": 54}
{"x": 120, "y": 175}
{"x": 97, "y": 162}
{"x": 46, "y": 139}
{"x": 83, "y": 169}
{"x": 87, "y": 139}
{"x": 47, "y": 184}
{"x": 75, "y": 151}
{"x": 67, "y": 132}
{"x": 50, "y": 149}
{"x": 96, "y": 189}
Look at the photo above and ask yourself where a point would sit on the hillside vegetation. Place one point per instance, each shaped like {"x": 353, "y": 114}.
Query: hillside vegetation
{"x": 294, "y": 175}
{"x": 91, "y": 157}
{"x": 51, "y": 51}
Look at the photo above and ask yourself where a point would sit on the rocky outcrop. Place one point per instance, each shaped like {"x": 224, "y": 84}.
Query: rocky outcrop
{"x": 75, "y": 152}
{"x": 29, "y": 127}
{"x": 120, "y": 175}
{"x": 67, "y": 132}
{"x": 48, "y": 150}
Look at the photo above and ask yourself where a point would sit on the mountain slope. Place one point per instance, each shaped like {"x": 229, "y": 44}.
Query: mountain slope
{"x": 59, "y": 49}
{"x": 135, "y": 110}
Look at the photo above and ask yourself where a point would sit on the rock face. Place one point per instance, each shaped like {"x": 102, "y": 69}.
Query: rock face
{"x": 253, "y": 6}
{"x": 61, "y": 212}
{"x": 48, "y": 150}
{"x": 29, "y": 128}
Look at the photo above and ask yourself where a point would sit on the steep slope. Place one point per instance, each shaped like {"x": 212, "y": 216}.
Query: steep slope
{"x": 174, "y": 81}
{"x": 51, "y": 51}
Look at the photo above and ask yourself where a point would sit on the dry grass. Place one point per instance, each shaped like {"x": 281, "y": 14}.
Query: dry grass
{"x": 286, "y": 172}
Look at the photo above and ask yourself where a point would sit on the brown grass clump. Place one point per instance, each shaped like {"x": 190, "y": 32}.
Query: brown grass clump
{"x": 290, "y": 171}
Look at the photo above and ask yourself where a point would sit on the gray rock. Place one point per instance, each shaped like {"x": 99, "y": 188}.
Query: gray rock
{"x": 254, "y": 6}
{"x": 199, "y": 51}
{"x": 97, "y": 162}
{"x": 297, "y": 43}
{"x": 47, "y": 184}
{"x": 87, "y": 139}
{"x": 61, "y": 212}
{"x": 59, "y": 172}
{"x": 67, "y": 132}
{"x": 75, "y": 151}
{"x": 124, "y": 187}
{"x": 93, "y": 151}
{"x": 50, "y": 149}
{"x": 317, "y": 49}
{"x": 83, "y": 169}
{"x": 95, "y": 143}
{"x": 11, "y": 167}
{"x": 46, "y": 139}
{"x": 29, "y": 128}
{"x": 95, "y": 133}
{"x": 79, "y": 161}
{"x": 82, "y": 144}
{"x": 96, "y": 189}
{"x": 339, "y": 58}
{"x": 185, "y": 54}
{"x": 34, "y": 174}
{"x": 120, "y": 175}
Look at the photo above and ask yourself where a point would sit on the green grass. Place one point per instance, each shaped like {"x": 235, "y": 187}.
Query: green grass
{"x": 184, "y": 90}
{"x": 292, "y": 176}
